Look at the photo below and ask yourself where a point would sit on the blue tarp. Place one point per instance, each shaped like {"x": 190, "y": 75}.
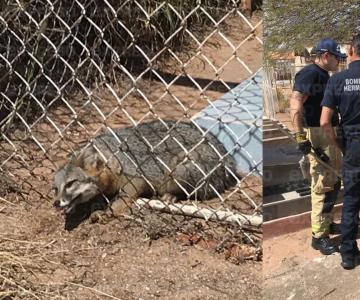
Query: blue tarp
{"x": 236, "y": 119}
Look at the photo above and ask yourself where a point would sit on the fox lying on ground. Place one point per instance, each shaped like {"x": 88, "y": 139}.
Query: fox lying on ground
{"x": 168, "y": 159}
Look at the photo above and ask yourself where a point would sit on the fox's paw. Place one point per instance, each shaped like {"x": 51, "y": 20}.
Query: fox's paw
{"x": 168, "y": 198}
{"x": 102, "y": 217}
{"x": 121, "y": 206}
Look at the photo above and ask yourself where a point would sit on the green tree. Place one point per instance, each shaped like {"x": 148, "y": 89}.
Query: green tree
{"x": 292, "y": 24}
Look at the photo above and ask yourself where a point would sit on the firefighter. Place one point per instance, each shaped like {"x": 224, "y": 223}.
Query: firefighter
{"x": 343, "y": 95}
{"x": 305, "y": 105}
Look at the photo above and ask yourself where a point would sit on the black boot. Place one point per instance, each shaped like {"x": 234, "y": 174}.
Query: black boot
{"x": 335, "y": 228}
{"x": 348, "y": 261}
{"x": 325, "y": 245}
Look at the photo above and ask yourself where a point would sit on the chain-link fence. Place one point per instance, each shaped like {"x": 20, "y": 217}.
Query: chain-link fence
{"x": 280, "y": 74}
{"x": 133, "y": 109}
{"x": 270, "y": 95}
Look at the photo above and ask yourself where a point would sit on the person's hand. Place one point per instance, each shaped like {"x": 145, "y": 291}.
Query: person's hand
{"x": 304, "y": 145}
{"x": 340, "y": 144}
{"x": 340, "y": 139}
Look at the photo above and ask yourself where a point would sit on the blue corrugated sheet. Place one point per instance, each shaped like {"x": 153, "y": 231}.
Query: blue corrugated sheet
{"x": 236, "y": 119}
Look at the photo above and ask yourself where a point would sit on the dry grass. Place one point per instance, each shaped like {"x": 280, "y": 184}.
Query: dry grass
{"x": 283, "y": 100}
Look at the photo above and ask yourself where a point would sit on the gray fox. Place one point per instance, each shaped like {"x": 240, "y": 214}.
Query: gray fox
{"x": 160, "y": 158}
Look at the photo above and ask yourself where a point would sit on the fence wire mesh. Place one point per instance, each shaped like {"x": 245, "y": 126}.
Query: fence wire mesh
{"x": 102, "y": 109}
{"x": 279, "y": 74}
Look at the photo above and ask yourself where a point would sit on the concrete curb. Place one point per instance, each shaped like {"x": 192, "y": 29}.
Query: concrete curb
{"x": 291, "y": 224}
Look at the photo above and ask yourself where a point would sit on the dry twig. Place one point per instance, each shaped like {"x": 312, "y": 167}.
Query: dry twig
{"x": 94, "y": 290}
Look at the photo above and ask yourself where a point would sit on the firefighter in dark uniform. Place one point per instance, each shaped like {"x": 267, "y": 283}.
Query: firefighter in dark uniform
{"x": 305, "y": 105}
{"x": 343, "y": 94}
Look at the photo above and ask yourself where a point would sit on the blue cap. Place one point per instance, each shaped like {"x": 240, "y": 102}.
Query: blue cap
{"x": 329, "y": 45}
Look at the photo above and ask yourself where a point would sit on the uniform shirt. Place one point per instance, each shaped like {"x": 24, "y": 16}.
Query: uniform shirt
{"x": 343, "y": 93}
{"x": 312, "y": 80}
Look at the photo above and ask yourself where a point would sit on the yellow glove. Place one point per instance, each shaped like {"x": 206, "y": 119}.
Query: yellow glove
{"x": 304, "y": 144}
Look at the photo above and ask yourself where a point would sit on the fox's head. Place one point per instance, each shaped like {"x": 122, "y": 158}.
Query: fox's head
{"x": 85, "y": 177}
{"x": 73, "y": 186}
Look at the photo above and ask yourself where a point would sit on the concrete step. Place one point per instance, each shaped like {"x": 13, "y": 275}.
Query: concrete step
{"x": 271, "y": 142}
{"x": 274, "y": 132}
{"x": 271, "y": 126}
{"x": 268, "y": 121}
{"x": 280, "y": 174}
{"x": 288, "y": 204}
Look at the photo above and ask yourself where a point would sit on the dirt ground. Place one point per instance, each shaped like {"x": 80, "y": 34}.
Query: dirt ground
{"x": 134, "y": 256}
{"x": 293, "y": 270}
{"x": 116, "y": 257}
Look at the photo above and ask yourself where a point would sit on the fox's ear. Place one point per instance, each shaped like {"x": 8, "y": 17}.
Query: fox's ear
{"x": 79, "y": 159}
{"x": 61, "y": 164}
{"x": 95, "y": 162}
{"x": 114, "y": 165}
{"x": 89, "y": 160}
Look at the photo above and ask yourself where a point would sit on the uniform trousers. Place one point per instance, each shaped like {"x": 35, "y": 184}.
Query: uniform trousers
{"x": 325, "y": 184}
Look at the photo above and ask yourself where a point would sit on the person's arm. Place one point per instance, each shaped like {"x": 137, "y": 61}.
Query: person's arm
{"x": 302, "y": 89}
{"x": 329, "y": 105}
{"x": 325, "y": 123}
{"x": 297, "y": 101}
